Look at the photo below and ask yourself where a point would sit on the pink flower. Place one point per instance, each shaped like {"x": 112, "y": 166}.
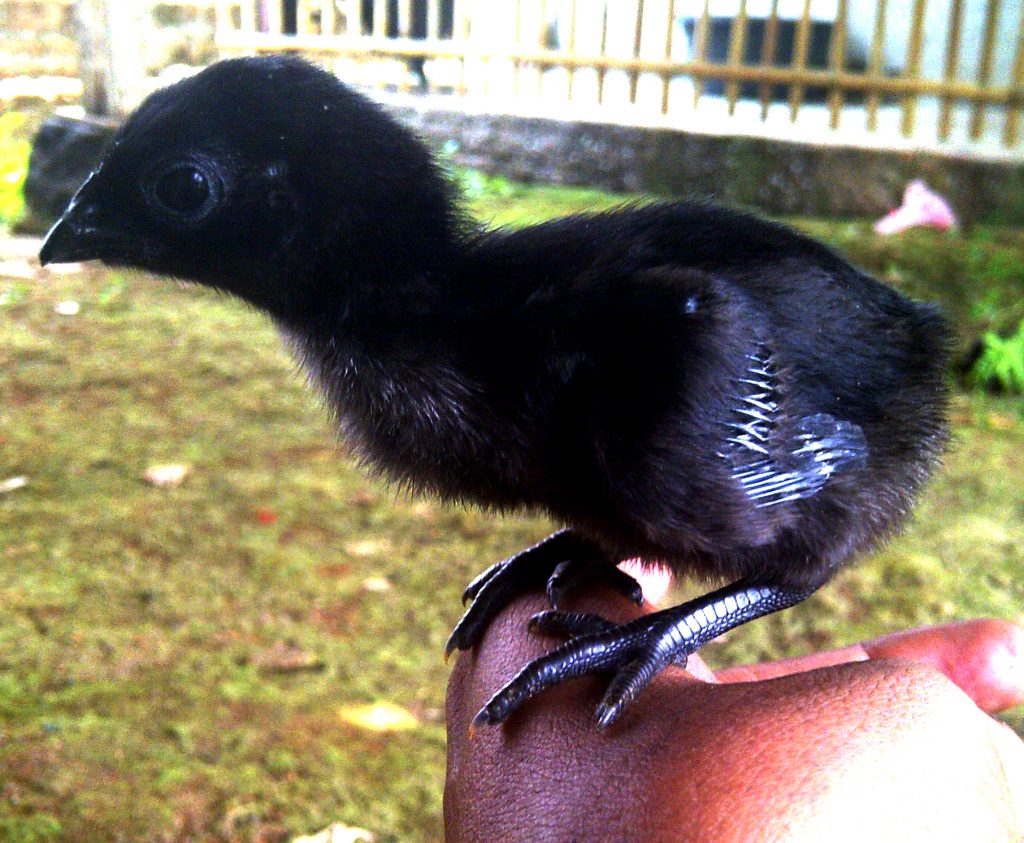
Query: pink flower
{"x": 920, "y": 207}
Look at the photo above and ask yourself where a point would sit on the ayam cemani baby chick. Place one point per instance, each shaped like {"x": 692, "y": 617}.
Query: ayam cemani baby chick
{"x": 679, "y": 382}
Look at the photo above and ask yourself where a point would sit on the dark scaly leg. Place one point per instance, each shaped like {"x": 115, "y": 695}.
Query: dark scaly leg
{"x": 561, "y": 561}
{"x": 637, "y": 650}
{"x": 575, "y": 624}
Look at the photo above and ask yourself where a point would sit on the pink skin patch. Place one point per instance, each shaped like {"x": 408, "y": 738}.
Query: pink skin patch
{"x": 655, "y": 581}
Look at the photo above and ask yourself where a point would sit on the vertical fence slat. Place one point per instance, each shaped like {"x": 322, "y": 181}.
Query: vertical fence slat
{"x": 404, "y": 18}
{"x": 328, "y": 17}
{"x": 433, "y": 19}
{"x": 602, "y": 71}
{"x": 544, "y": 43}
{"x": 1011, "y": 129}
{"x": 985, "y": 71}
{"x": 572, "y": 44}
{"x": 380, "y": 18}
{"x": 737, "y": 41}
{"x": 353, "y": 17}
{"x": 837, "y": 61}
{"x": 303, "y": 24}
{"x": 485, "y": 66}
{"x": 701, "y": 34}
{"x": 950, "y": 68}
{"x": 517, "y": 45}
{"x": 272, "y": 10}
{"x": 634, "y": 75}
{"x": 247, "y": 15}
{"x": 768, "y": 47}
{"x": 912, "y": 67}
{"x": 666, "y": 79}
{"x": 461, "y": 31}
{"x": 223, "y": 16}
{"x": 403, "y": 27}
{"x": 875, "y": 64}
{"x": 800, "y": 47}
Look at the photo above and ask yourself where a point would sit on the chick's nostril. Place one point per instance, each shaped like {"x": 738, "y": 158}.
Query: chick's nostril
{"x": 88, "y": 215}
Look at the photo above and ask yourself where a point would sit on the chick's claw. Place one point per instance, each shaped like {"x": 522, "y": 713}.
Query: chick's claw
{"x": 569, "y": 624}
{"x": 564, "y": 558}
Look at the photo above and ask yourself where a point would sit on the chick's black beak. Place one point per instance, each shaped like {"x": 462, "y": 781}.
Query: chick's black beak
{"x": 74, "y": 237}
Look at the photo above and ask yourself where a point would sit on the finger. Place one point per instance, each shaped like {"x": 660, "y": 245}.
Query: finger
{"x": 984, "y": 658}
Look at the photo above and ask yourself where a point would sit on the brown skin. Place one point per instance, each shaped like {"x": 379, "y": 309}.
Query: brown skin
{"x": 872, "y": 742}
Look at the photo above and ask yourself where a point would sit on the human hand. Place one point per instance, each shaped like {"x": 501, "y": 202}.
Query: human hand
{"x": 879, "y": 741}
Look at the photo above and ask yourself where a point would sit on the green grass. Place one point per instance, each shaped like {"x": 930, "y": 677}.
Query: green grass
{"x": 138, "y": 625}
{"x": 14, "y": 152}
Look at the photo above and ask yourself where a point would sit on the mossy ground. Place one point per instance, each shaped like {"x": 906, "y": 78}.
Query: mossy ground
{"x": 139, "y": 698}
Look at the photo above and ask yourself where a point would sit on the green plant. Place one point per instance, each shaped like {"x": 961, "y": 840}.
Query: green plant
{"x": 475, "y": 184}
{"x": 1001, "y": 361}
{"x": 14, "y": 152}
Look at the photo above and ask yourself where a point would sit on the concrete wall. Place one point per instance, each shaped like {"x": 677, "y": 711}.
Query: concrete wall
{"x": 775, "y": 176}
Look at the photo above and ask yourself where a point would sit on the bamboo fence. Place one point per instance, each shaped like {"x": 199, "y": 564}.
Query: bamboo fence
{"x": 932, "y": 72}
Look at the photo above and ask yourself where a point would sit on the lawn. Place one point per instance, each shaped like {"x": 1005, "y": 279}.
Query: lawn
{"x": 184, "y": 662}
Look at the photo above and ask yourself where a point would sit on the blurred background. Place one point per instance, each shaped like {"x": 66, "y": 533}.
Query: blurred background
{"x": 213, "y": 627}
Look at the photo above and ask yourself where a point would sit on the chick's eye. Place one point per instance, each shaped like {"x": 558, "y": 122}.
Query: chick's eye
{"x": 187, "y": 190}
{"x": 184, "y": 189}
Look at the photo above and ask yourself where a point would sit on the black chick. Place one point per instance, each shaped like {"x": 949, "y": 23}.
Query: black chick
{"x": 706, "y": 390}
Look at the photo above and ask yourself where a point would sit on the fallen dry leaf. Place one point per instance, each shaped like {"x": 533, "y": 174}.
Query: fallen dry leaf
{"x": 367, "y": 547}
{"x": 168, "y": 475}
{"x": 339, "y": 833}
{"x": 286, "y": 658}
{"x": 362, "y": 498}
{"x": 999, "y": 421}
{"x": 377, "y": 584}
{"x": 12, "y": 483}
{"x": 337, "y": 569}
{"x": 266, "y": 516}
{"x": 378, "y": 717}
{"x": 17, "y": 269}
{"x": 65, "y": 268}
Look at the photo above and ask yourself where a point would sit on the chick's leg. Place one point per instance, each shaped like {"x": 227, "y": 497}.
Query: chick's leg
{"x": 560, "y": 562}
{"x": 635, "y": 651}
